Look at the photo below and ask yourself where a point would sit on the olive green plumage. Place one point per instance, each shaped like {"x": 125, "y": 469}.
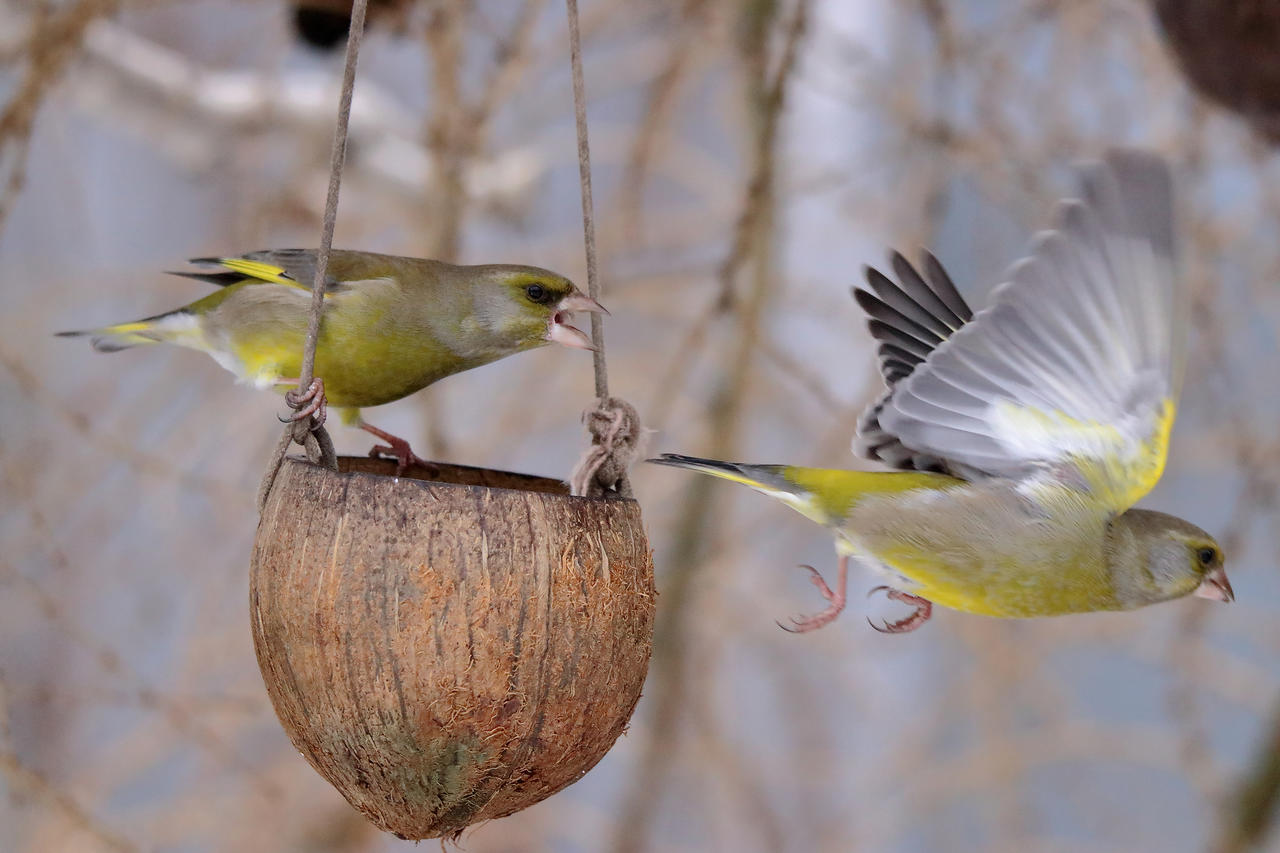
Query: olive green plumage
{"x": 392, "y": 325}
{"x": 987, "y": 547}
{"x": 1026, "y": 432}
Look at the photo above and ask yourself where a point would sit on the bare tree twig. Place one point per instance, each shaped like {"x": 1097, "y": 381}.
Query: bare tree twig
{"x": 56, "y": 37}
{"x": 23, "y": 777}
{"x": 753, "y": 242}
{"x": 1248, "y": 817}
{"x": 660, "y": 102}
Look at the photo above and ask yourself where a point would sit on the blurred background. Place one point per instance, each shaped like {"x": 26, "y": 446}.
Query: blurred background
{"x": 750, "y": 157}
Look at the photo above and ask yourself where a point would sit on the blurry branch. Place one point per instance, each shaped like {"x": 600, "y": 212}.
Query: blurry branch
{"x": 939, "y": 24}
{"x": 24, "y": 778}
{"x": 767, "y": 110}
{"x": 511, "y": 61}
{"x": 730, "y": 767}
{"x": 6, "y": 731}
{"x": 1247, "y": 820}
{"x": 189, "y": 111}
{"x": 1004, "y": 665}
{"x": 116, "y": 665}
{"x": 446, "y": 133}
{"x": 40, "y": 393}
{"x": 660, "y": 101}
{"x": 203, "y": 703}
{"x": 1248, "y": 811}
{"x": 672, "y": 378}
{"x": 955, "y": 777}
{"x": 807, "y": 740}
{"x": 1254, "y": 456}
{"x": 799, "y": 372}
{"x": 456, "y": 136}
{"x": 56, "y": 37}
{"x": 767, "y": 101}
{"x": 941, "y": 29}
{"x": 753, "y": 244}
{"x": 457, "y": 131}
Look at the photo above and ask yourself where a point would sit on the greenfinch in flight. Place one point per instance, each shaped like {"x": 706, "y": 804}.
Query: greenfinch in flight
{"x": 391, "y": 325}
{"x": 1026, "y": 432}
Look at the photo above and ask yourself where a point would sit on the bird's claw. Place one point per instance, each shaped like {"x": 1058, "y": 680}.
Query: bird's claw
{"x": 397, "y": 449}
{"x": 815, "y": 578}
{"x": 310, "y": 403}
{"x": 835, "y": 599}
{"x": 923, "y": 610}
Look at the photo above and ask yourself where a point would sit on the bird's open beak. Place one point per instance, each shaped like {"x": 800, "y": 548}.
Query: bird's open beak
{"x": 558, "y": 329}
{"x": 581, "y": 302}
{"x": 1215, "y": 586}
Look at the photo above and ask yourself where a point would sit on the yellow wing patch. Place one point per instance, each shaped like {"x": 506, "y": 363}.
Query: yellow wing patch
{"x": 1117, "y": 468}
{"x": 834, "y": 492}
{"x": 261, "y": 271}
{"x": 1124, "y": 479}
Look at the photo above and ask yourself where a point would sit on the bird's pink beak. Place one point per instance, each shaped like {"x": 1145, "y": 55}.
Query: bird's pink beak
{"x": 1215, "y": 586}
{"x": 558, "y": 329}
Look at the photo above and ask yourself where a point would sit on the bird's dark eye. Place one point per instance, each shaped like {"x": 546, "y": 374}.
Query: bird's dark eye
{"x": 1206, "y": 556}
{"x": 536, "y": 293}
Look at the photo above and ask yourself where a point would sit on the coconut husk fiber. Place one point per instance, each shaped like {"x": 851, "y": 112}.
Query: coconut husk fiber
{"x": 448, "y": 651}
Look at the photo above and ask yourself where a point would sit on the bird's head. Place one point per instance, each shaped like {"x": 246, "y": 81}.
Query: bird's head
{"x": 532, "y": 306}
{"x": 1178, "y": 557}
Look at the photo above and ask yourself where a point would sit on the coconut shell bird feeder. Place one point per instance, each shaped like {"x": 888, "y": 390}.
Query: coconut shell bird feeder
{"x": 452, "y": 644}
{"x": 449, "y": 646}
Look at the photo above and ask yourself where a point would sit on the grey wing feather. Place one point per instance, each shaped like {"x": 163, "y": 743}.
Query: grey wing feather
{"x": 910, "y": 318}
{"x": 221, "y": 279}
{"x": 1080, "y": 350}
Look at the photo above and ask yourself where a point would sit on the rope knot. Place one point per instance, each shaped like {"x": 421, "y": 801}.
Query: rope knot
{"x": 615, "y": 430}
{"x": 306, "y": 427}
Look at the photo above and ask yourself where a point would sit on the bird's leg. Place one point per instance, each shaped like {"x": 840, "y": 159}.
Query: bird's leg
{"x": 313, "y": 398}
{"x": 395, "y": 446}
{"x": 923, "y": 610}
{"x": 803, "y": 624}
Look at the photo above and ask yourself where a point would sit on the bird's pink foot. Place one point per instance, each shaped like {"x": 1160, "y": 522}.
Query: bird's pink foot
{"x": 395, "y": 447}
{"x": 306, "y": 403}
{"x": 923, "y": 610}
{"x": 836, "y": 600}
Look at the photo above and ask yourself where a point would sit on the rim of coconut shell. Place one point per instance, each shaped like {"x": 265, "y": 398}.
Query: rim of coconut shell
{"x": 450, "y": 474}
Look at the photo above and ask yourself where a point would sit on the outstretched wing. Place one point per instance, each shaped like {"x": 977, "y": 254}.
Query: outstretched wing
{"x": 909, "y": 319}
{"x": 1075, "y": 366}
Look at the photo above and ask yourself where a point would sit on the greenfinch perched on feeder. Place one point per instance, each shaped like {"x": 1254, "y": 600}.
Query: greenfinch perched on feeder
{"x": 1026, "y": 432}
{"x": 391, "y": 325}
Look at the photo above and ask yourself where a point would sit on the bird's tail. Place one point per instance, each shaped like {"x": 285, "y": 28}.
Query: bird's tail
{"x": 176, "y": 327}
{"x": 763, "y": 478}
{"x": 821, "y": 494}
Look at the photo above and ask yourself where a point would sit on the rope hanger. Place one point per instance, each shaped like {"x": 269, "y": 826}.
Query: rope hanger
{"x": 306, "y": 426}
{"x": 613, "y": 424}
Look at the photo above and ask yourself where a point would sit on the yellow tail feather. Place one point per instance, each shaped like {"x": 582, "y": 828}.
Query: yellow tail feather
{"x": 823, "y": 495}
{"x": 174, "y": 327}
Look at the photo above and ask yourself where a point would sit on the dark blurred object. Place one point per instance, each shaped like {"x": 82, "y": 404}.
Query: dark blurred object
{"x": 1230, "y": 51}
{"x": 324, "y": 24}
{"x": 1251, "y": 812}
{"x": 322, "y": 28}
